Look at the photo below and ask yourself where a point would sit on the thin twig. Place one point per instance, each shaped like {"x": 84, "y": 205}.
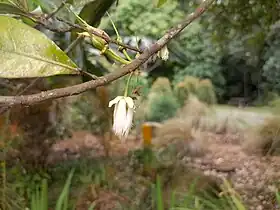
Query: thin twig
{"x": 73, "y": 44}
{"x": 101, "y": 81}
{"x": 56, "y": 10}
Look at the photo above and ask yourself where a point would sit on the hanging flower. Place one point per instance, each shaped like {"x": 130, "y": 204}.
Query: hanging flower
{"x": 163, "y": 53}
{"x": 123, "y": 115}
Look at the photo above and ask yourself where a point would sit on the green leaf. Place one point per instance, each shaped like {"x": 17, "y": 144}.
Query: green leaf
{"x": 10, "y": 9}
{"x": 159, "y": 198}
{"x": 159, "y": 3}
{"x": 93, "y": 11}
{"x": 26, "y": 52}
{"x": 63, "y": 197}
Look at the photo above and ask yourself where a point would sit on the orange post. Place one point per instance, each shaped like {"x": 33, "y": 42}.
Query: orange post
{"x": 147, "y": 133}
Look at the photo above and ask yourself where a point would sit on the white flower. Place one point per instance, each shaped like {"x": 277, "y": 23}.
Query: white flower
{"x": 37, "y": 11}
{"x": 123, "y": 115}
{"x": 163, "y": 53}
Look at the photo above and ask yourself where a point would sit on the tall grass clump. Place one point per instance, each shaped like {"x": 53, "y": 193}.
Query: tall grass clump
{"x": 161, "y": 85}
{"x": 173, "y": 130}
{"x": 191, "y": 83}
{"x": 202, "y": 89}
{"x": 264, "y": 139}
{"x": 206, "y": 92}
{"x": 194, "y": 111}
{"x": 162, "y": 104}
{"x": 186, "y": 88}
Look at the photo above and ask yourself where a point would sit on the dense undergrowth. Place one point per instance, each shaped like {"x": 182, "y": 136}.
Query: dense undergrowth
{"x": 151, "y": 177}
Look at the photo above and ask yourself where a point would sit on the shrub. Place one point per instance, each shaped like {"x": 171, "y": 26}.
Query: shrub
{"x": 191, "y": 83}
{"x": 162, "y": 107}
{"x": 205, "y": 92}
{"x": 264, "y": 139}
{"x": 185, "y": 88}
{"x": 182, "y": 93}
{"x": 161, "y": 85}
{"x": 161, "y": 104}
{"x": 194, "y": 107}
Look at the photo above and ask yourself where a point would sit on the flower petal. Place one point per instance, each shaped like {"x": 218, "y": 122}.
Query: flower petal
{"x": 115, "y": 111}
{"x": 115, "y": 100}
{"x": 164, "y": 53}
{"x": 120, "y": 118}
{"x": 129, "y": 118}
{"x": 129, "y": 102}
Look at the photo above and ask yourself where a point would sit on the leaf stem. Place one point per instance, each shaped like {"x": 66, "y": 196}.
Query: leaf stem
{"x": 119, "y": 39}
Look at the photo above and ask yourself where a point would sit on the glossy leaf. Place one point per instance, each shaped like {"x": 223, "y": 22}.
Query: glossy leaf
{"x": 26, "y": 52}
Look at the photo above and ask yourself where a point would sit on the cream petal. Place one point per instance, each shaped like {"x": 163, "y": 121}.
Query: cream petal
{"x": 164, "y": 53}
{"x": 115, "y": 100}
{"x": 123, "y": 115}
{"x": 115, "y": 112}
{"x": 129, "y": 118}
{"x": 120, "y": 117}
{"x": 129, "y": 102}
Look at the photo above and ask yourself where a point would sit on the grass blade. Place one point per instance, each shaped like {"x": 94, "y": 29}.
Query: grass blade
{"x": 64, "y": 194}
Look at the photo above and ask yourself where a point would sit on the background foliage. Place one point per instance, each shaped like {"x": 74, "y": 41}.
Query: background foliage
{"x": 232, "y": 51}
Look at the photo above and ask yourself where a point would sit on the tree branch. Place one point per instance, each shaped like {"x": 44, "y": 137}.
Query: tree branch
{"x": 80, "y": 88}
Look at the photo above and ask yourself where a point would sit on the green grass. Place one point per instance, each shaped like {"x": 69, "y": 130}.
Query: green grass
{"x": 229, "y": 199}
{"x": 39, "y": 198}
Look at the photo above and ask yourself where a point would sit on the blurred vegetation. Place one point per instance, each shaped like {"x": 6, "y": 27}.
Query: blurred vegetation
{"x": 234, "y": 44}
{"x": 192, "y": 86}
{"x": 232, "y": 51}
{"x": 162, "y": 104}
